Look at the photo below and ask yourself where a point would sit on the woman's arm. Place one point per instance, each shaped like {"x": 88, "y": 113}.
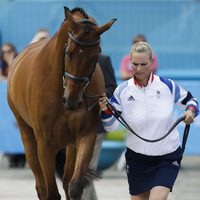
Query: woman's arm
{"x": 109, "y": 122}
{"x": 185, "y": 99}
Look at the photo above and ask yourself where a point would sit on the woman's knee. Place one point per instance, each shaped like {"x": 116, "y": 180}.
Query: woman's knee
{"x": 143, "y": 196}
{"x": 159, "y": 193}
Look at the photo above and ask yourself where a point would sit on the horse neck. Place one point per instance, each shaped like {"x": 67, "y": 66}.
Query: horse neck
{"x": 50, "y": 56}
{"x": 61, "y": 39}
{"x": 62, "y": 36}
{"x": 55, "y": 49}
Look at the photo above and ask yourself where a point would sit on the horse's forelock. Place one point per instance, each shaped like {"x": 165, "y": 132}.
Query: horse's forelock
{"x": 81, "y": 11}
{"x": 87, "y": 28}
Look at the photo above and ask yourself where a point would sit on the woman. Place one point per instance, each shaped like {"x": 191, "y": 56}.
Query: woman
{"x": 41, "y": 34}
{"x": 146, "y": 103}
{"x": 8, "y": 53}
{"x": 125, "y": 65}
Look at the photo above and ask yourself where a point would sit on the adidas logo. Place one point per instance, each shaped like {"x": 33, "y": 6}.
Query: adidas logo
{"x": 175, "y": 163}
{"x": 131, "y": 98}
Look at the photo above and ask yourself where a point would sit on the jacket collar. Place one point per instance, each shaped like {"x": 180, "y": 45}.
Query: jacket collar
{"x": 151, "y": 78}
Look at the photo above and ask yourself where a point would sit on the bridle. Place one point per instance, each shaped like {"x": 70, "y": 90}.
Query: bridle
{"x": 85, "y": 79}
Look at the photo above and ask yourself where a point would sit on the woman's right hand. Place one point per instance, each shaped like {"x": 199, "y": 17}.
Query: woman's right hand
{"x": 103, "y": 101}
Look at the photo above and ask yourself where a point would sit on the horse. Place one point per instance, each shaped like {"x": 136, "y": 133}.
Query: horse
{"x": 49, "y": 84}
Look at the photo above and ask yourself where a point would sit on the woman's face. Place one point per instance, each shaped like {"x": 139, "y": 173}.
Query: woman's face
{"x": 8, "y": 53}
{"x": 142, "y": 66}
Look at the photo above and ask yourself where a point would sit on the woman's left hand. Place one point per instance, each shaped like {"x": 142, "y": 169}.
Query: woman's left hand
{"x": 189, "y": 116}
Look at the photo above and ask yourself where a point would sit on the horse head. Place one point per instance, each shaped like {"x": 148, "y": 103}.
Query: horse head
{"x": 80, "y": 55}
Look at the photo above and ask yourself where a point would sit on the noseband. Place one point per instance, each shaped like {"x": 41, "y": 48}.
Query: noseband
{"x": 85, "y": 79}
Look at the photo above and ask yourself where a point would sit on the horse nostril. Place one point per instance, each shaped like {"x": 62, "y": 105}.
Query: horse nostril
{"x": 64, "y": 100}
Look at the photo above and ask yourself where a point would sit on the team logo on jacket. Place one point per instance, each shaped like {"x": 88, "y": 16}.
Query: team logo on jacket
{"x": 131, "y": 98}
{"x": 158, "y": 93}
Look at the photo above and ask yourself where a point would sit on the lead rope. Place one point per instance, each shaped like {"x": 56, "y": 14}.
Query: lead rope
{"x": 91, "y": 97}
{"x": 118, "y": 116}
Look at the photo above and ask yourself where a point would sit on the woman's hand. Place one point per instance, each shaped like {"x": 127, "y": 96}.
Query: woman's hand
{"x": 103, "y": 101}
{"x": 189, "y": 116}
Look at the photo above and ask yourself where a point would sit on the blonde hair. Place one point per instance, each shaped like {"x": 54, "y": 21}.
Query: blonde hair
{"x": 142, "y": 47}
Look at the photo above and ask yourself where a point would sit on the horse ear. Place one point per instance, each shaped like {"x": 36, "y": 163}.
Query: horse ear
{"x": 105, "y": 27}
{"x": 67, "y": 12}
{"x": 69, "y": 18}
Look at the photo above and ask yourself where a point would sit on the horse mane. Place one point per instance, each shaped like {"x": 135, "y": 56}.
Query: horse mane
{"x": 81, "y": 11}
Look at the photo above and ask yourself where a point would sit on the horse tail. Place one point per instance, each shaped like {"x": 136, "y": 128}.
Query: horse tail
{"x": 91, "y": 175}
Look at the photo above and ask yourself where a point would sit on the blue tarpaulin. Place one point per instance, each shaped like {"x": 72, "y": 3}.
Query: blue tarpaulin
{"x": 10, "y": 139}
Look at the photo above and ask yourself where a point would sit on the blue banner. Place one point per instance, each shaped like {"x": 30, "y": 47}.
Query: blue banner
{"x": 10, "y": 139}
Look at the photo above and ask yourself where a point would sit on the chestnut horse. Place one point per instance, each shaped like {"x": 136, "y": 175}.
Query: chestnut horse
{"x": 48, "y": 102}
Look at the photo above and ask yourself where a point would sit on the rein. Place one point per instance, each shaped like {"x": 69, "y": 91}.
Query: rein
{"x": 91, "y": 97}
{"x": 118, "y": 116}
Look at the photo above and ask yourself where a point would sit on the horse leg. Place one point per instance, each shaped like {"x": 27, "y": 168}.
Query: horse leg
{"x": 30, "y": 148}
{"x": 85, "y": 146}
{"x": 69, "y": 167}
{"x": 47, "y": 154}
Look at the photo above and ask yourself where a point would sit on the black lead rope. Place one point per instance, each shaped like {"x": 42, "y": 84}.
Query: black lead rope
{"x": 185, "y": 136}
{"x": 118, "y": 116}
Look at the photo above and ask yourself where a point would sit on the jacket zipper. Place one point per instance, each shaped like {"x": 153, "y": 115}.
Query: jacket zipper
{"x": 147, "y": 122}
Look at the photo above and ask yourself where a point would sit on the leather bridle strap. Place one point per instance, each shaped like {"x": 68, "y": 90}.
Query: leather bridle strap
{"x": 88, "y": 44}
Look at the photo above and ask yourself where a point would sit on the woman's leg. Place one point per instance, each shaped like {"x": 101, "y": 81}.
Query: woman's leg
{"x": 143, "y": 196}
{"x": 159, "y": 193}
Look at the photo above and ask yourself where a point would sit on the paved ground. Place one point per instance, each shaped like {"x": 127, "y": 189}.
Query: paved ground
{"x": 18, "y": 184}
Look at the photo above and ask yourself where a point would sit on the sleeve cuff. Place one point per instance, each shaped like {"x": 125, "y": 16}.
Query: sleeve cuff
{"x": 108, "y": 111}
{"x": 191, "y": 108}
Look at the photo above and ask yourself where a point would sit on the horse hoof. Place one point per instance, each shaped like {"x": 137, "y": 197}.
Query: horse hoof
{"x": 54, "y": 197}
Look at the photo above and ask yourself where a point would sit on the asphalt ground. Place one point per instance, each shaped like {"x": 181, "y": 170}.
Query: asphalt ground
{"x": 18, "y": 184}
